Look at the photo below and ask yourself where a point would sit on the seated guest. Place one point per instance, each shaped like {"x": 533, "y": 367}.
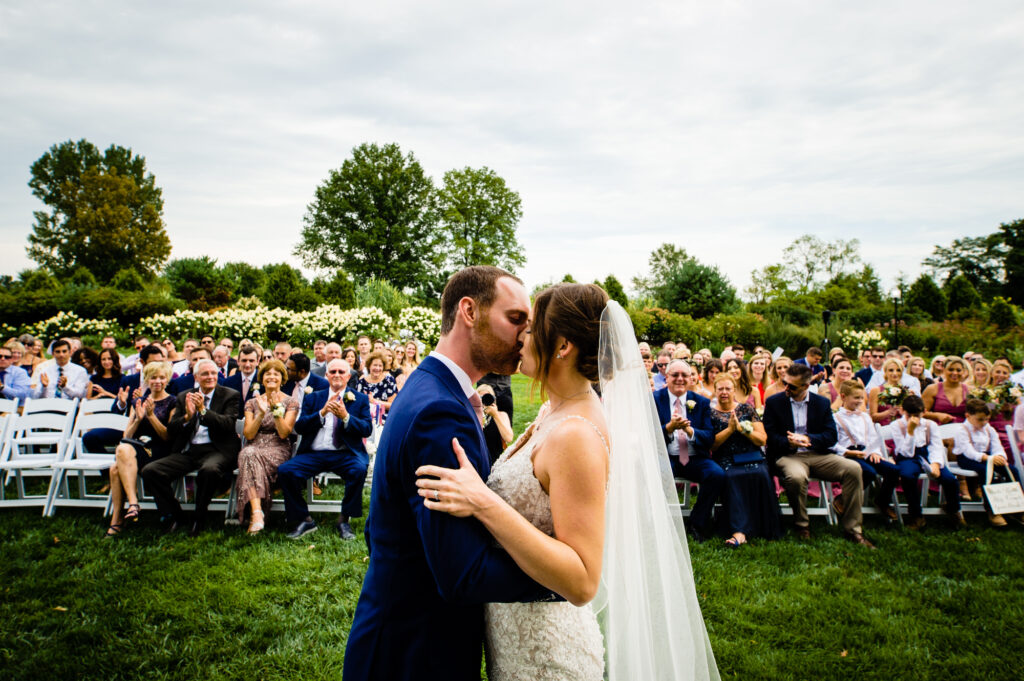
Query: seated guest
{"x": 842, "y": 371}
{"x": 867, "y": 374}
{"x": 31, "y": 349}
{"x": 132, "y": 387}
{"x": 919, "y": 449}
{"x": 203, "y": 437}
{"x": 712, "y": 368}
{"x": 945, "y": 402}
{"x": 981, "y": 369}
{"x": 333, "y": 424}
{"x": 106, "y": 381}
{"x": 187, "y": 381}
{"x": 171, "y": 350}
{"x": 59, "y": 377}
{"x": 184, "y": 365}
{"x": 778, "y": 376}
{"x": 884, "y": 399}
{"x": 232, "y": 363}
{"x": 749, "y": 501}
{"x": 906, "y": 380}
{"x": 812, "y": 359}
{"x": 145, "y": 439}
{"x": 1006, "y": 398}
{"x": 269, "y": 421}
{"x": 208, "y": 343}
{"x": 220, "y": 358}
{"x": 661, "y": 364}
{"x": 282, "y": 351}
{"x": 132, "y": 364}
{"x": 916, "y": 369}
{"x": 87, "y": 358}
{"x": 937, "y": 367}
{"x": 411, "y": 358}
{"x": 976, "y": 443}
{"x": 318, "y": 365}
{"x": 378, "y": 385}
{"x": 759, "y": 376}
{"x": 14, "y": 382}
{"x": 859, "y": 442}
{"x": 496, "y": 424}
{"x": 745, "y": 391}
{"x": 301, "y": 381}
{"x": 801, "y": 434}
{"x": 685, "y": 420}
{"x": 244, "y": 381}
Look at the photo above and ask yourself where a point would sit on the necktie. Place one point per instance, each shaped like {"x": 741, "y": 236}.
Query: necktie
{"x": 57, "y": 391}
{"x": 337, "y": 437}
{"x": 681, "y": 437}
{"x": 245, "y": 385}
{"x": 478, "y": 406}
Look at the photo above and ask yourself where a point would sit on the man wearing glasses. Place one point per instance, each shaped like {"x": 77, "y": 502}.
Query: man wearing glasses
{"x": 801, "y": 433}
{"x": 877, "y": 360}
{"x": 14, "y": 381}
{"x": 664, "y": 357}
{"x": 685, "y": 418}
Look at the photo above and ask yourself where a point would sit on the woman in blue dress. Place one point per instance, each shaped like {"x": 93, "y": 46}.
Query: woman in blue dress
{"x": 751, "y": 507}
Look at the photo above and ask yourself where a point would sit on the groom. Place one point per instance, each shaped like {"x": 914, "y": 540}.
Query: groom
{"x": 420, "y": 614}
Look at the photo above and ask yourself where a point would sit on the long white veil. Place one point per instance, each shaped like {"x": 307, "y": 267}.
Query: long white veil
{"x": 647, "y": 603}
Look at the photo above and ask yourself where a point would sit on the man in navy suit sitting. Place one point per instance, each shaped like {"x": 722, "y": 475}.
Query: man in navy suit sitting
{"x": 188, "y": 381}
{"x": 244, "y": 381}
{"x": 332, "y": 424}
{"x": 686, "y": 423}
{"x": 301, "y": 381}
{"x": 801, "y": 433}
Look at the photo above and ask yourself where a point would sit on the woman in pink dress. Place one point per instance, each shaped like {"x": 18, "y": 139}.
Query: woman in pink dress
{"x": 946, "y": 402}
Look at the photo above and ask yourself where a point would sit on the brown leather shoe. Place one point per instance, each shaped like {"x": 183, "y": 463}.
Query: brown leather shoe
{"x": 914, "y": 523}
{"x": 802, "y": 532}
{"x": 996, "y": 520}
{"x": 858, "y": 538}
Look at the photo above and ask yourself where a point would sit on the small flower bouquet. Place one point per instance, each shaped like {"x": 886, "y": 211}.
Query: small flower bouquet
{"x": 893, "y": 395}
{"x": 746, "y": 427}
{"x": 278, "y": 411}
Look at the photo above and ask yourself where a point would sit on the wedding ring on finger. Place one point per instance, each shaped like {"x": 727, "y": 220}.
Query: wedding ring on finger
{"x": 437, "y": 495}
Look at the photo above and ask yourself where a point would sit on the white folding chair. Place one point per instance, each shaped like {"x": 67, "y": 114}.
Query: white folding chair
{"x": 1015, "y": 450}
{"x": 50, "y": 405}
{"x": 84, "y": 463}
{"x": 8, "y": 405}
{"x": 34, "y": 444}
{"x": 948, "y": 431}
{"x": 97, "y": 406}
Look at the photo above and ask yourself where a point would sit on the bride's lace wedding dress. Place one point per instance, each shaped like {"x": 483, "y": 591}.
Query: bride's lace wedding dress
{"x": 538, "y": 641}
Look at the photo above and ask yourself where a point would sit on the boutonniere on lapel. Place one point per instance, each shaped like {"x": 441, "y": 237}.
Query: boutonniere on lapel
{"x": 307, "y": 390}
{"x": 690, "y": 404}
{"x": 349, "y": 397}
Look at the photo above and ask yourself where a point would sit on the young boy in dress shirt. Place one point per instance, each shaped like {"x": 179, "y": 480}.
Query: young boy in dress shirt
{"x": 858, "y": 440}
{"x": 919, "y": 449}
{"x": 975, "y": 443}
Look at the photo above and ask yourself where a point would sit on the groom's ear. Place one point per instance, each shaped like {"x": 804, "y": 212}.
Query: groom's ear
{"x": 468, "y": 310}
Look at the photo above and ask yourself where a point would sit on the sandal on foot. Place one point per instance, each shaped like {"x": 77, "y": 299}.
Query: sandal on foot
{"x": 255, "y": 522}
{"x": 734, "y": 543}
{"x": 132, "y": 513}
{"x": 114, "y": 530}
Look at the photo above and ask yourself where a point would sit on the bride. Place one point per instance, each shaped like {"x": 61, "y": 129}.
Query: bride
{"x": 585, "y": 504}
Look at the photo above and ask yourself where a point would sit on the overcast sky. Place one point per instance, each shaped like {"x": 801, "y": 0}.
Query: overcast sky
{"x": 728, "y": 128}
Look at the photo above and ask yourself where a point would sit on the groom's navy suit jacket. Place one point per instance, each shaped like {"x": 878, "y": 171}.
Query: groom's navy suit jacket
{"x": 420, "y": 613}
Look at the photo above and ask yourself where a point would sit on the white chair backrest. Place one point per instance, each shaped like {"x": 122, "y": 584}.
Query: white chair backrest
{"x": 41, "y": 428}
{"x": 87, "y": 422}
{"x": 8, "y": 405}
{"x": 6, "y": 422}
{"x": 54, "y": 405}
{"x": 948, "y": 431}
{"x": 95, "y": 406}
{"x": 1011, "y": 435}
{"x": 884, "y": 432}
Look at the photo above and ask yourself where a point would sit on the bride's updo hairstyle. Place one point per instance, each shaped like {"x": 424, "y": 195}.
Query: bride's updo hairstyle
{"x": 573, "y": 312}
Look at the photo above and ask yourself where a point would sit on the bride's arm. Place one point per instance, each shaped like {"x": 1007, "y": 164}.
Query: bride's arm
{"x": 573, "y": 464}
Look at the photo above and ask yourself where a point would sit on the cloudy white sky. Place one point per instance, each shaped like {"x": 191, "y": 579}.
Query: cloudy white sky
{"x": 729, "y": 128}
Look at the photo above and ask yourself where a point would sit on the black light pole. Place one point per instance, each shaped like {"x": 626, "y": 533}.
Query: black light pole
{"x": 896, "y": 317}
{"x": 826, "y": 316}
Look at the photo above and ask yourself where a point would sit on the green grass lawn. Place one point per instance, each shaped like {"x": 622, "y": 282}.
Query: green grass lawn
{"x": 932, "y": 605}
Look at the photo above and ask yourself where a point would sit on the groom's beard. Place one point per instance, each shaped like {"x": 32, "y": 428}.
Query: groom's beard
{"x": 489, "y": 353}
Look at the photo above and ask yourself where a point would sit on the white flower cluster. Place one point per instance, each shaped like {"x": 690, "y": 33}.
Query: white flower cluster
{"x": 420, "y": 323}
{"x": 68, "y": 323}
{"x": 262, "y": 323}
{"x": 855, "y": 341}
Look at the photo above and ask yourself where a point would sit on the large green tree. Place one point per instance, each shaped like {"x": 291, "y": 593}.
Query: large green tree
{"x": 978, "y": 258}
{"x": 661, "y": 261}
{"x": 1012, "y": 234}
{"x": 696, "y": 289}
{"x": 480, "y": 214}
{"x": 374, "y": 216}
{"x": 104, "y": 212}
{"x": 925, "y": 295}
{"x": 199, "y": 282}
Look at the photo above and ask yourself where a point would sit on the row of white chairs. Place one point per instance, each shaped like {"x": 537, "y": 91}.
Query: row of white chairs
{"x": 824, "y": 506}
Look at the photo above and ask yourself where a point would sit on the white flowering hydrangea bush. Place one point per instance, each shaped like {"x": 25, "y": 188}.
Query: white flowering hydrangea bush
{"x": 855, "y": 341}
{"x": 419, "y": 323}
{"x": 68, "y": 323}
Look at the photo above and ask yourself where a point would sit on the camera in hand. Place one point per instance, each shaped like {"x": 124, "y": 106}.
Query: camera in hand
{"x": 487, "y": 399}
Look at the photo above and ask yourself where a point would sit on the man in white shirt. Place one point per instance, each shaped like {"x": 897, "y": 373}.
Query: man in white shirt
{"x": 59, "y": 377}
{"x": 14, "y": 381}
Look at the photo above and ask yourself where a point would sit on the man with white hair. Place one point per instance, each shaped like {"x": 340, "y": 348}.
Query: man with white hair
{"x": 203, "y": 437}
{"x": 332, "y": 424}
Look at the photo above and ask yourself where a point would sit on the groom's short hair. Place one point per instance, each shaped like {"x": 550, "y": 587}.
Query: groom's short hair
{"x": 476, "y": 282}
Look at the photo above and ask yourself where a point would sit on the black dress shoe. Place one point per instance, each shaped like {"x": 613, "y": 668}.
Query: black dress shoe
{"x": 304, "y": 528}
{"x": 345, "y": 530}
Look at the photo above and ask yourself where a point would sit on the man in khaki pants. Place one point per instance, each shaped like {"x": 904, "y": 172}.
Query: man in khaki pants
{"x": 801, "y": 432}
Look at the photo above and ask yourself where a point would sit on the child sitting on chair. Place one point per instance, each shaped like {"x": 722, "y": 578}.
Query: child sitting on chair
{"x": 858, "y": 440}
{"x": 976, "y": 443}
{"x": 919, "y": 449}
